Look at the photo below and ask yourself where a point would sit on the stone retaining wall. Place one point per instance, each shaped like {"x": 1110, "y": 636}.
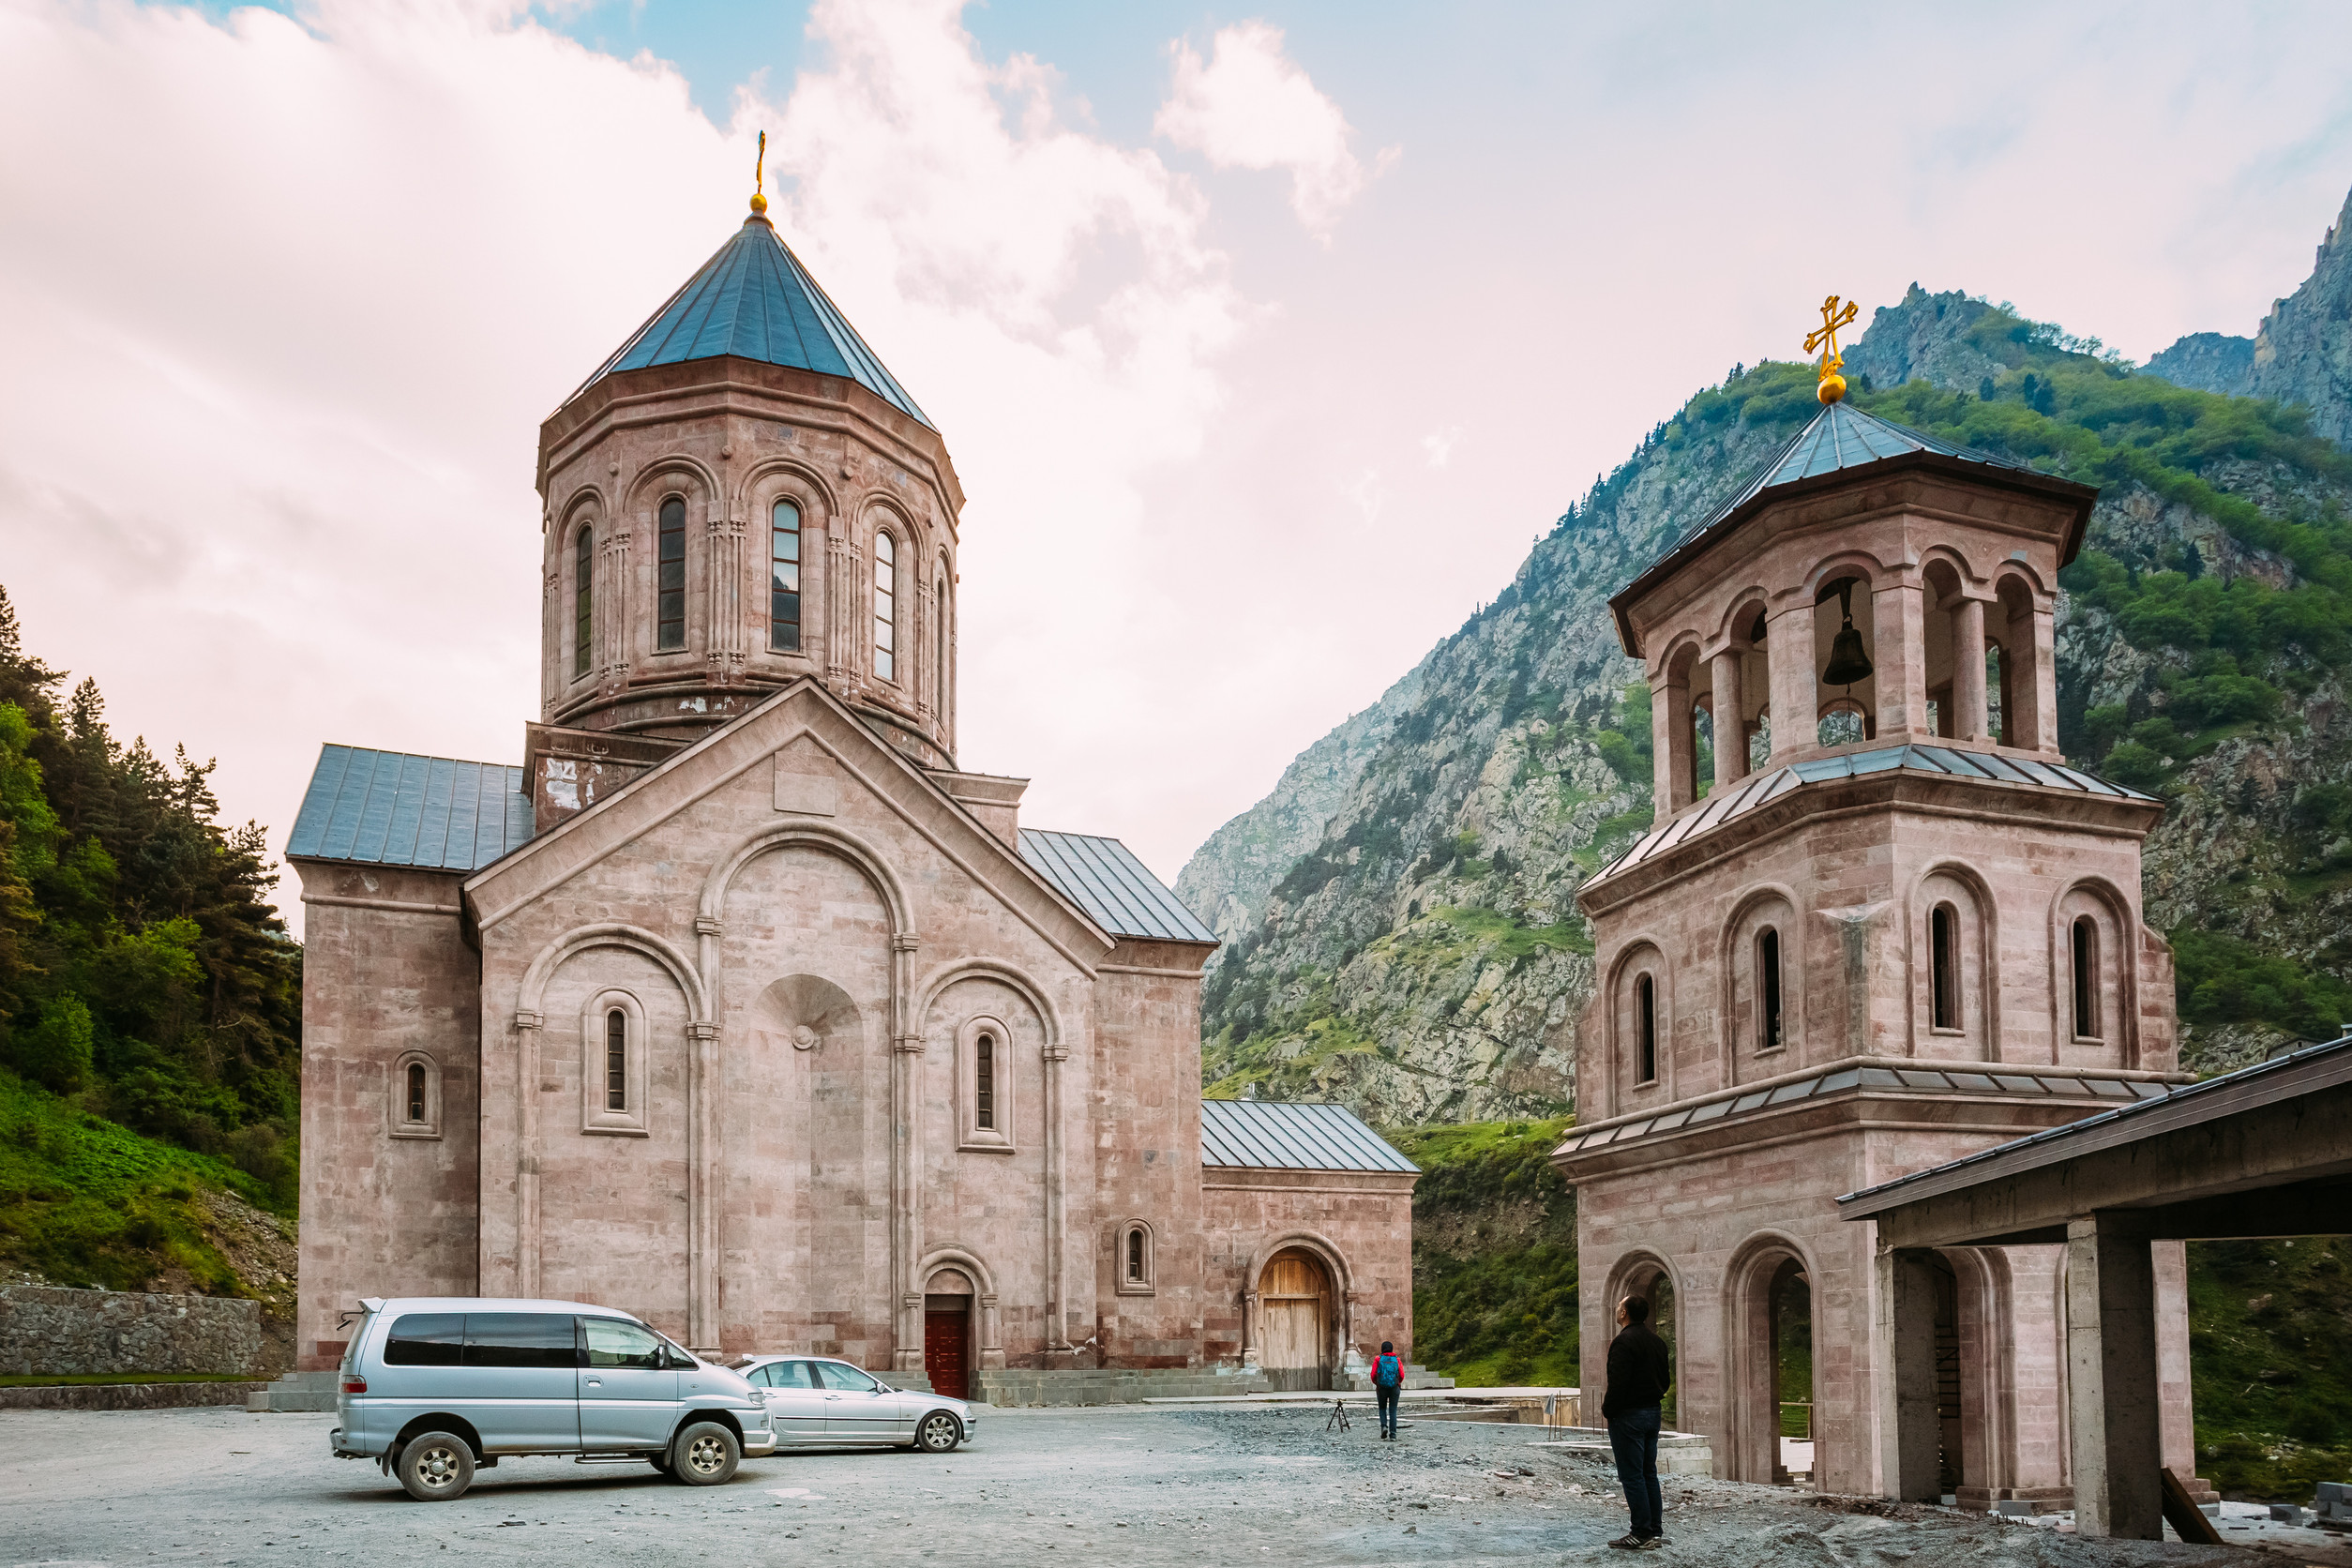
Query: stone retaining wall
{"x": 48, "y": 1330}
{"x": 126, "y": 1396}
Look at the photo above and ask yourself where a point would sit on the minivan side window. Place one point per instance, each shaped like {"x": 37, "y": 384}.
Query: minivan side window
{"x": 520, "y": 1339}
{"x": 425, "y": 1339}
{"x": 614, "y": 1343}
{"x": 847, "y": 1378}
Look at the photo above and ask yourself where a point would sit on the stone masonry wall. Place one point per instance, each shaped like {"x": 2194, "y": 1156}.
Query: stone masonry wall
{"x": 47, "y": 1330}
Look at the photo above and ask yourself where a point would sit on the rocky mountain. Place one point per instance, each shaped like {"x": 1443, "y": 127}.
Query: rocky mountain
{"x": 2301, "y": 353}
{"x": 1401, "y": 927}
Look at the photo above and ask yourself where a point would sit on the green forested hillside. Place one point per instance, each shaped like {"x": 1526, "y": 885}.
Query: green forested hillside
{"x": 150, "y": 1005}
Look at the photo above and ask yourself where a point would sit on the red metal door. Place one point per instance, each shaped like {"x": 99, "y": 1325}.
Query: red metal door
{"x": 946, "y": 1352}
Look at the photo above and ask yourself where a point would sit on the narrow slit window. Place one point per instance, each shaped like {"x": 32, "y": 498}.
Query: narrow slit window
{"x": 784, "y": 579}
{"x": 669, "y": 602}
{"x": 2086, "y": 993}
{"x": 583, "y": 600}
{"x": 1135, "y": 1257}
{"x": 984, "y": 1084}
{"x": 416, "y": 1092}
{"x": 1768, "y": 987}
{"x": 1943, "y": 953}
{"x": 616, "y": 1061}
{"x": 886, "y": 606}
{"x": 1646, "y": 1027}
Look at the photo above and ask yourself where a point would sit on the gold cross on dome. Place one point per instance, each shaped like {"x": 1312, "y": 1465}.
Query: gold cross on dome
{"x": 1825, "y": 339}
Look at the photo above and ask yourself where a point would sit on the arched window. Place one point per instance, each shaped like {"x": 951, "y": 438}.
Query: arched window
{"x": 1944, "y": 967}
{"x": 613, "y": 1037}
{"x": 1133, "y": 1256}
{"x": 2086, "y": 978}
{"x": 416, "y": 1097}
{"x": 1768, "y": 989}
{"x": 886, "y": 606}
{"x": 584, "y": 599}
{"x": 939, "y": 648}
{"x": 1645, "y": 1029}
{"x": 984, "y": 1082}
{"x": 670, "y": 599}
{"x": 784, "y": 578}
{"x": 616, "y": 1061}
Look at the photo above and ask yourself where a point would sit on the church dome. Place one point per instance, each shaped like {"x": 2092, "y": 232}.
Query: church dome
{"x": 754, "y": 300}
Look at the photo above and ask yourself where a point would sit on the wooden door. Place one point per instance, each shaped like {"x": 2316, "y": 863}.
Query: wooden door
{"x": 1295, "y": 1321}
{"x": 947, "y": 1352}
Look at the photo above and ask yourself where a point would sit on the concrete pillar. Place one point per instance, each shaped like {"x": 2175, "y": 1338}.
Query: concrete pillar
{"x": 1731, "y": 737}
{"x": 2177, "y": 1410}
{"x": 2112, "y": 1380}
{"x": 1795, "y": 703}
{"x": 1971, "y": 722}
{"x": 1910, "y": 1433}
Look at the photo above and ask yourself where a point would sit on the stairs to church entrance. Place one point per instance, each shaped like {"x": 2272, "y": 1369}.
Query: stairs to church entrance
{"x": 1038, "y": 1387}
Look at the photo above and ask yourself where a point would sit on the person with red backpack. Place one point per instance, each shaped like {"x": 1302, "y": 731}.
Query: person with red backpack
{"x": 1388, "y": 1379}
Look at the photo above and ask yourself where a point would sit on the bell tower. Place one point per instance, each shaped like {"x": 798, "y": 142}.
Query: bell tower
{"x": 739, "y": 497}
{"x": 1889, "y": 928}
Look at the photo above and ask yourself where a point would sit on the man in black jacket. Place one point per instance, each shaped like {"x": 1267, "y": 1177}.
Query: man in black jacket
{"x": 1639, "y": 1375}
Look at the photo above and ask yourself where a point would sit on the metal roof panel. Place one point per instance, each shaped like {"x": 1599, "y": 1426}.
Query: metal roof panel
{"x": 1266, "y": 1135}
{"x": 398, "y": 809}
{"x": 1103, "y": 876}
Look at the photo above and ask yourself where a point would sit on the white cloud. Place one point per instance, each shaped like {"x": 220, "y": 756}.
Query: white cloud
{"x": 1250, "y": 106}
{"x": 1439, "y": 444}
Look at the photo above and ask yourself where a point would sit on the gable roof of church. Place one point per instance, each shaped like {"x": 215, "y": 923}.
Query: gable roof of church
{"x": 754, "y": 300}
{"x": 1103, "y": 876}
{"x": 398, "y": 809}
{"x": 1837, "y": 442}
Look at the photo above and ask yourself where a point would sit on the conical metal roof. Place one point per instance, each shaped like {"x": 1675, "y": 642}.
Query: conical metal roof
{"x": 1842, "y": 436}
{"x": 754, "y": 300}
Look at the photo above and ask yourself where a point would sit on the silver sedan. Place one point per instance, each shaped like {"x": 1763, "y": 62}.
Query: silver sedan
{"x": 814, "y": 1402}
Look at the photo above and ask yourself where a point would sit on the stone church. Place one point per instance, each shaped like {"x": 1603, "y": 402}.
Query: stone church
{"x": 1893, "y": 928}
{"x": 738, "y": 1005}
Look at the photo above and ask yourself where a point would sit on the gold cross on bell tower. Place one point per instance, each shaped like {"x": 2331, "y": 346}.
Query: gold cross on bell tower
{"x": 758, "y": 180}
{"x": 1833, "y": 386}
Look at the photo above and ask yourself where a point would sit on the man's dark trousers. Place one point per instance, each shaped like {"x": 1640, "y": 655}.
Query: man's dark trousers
{"x": 1633, "y": 1437}
{"x": 1387, "y": 1397}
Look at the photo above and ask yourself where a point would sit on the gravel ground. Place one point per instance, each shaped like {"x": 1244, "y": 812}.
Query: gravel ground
{"x": 1127, "y": 1486}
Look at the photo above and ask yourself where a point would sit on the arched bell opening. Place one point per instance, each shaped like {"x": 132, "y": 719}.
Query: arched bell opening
{"x": 1770, "y": 1299}
{"x": 1844, "y": 639}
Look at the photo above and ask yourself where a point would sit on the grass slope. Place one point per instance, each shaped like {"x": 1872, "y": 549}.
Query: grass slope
{"x": 88, "y": 1201}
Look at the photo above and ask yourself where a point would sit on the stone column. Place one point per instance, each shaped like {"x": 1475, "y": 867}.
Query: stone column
{"x": 527, "y": 1028}
{"x": 1971, "y": 722}
{"x": 2111, "y": 1375}
{"x": 1249, "y": 1329}
{"x": 1910, "y": 1433}
{"x": 1795, "y": 701}
{"x": 1731, "y": 737}
{"x": 1898, "y": 635}
{"x": 2039, "y": 695}
{"x": 1057, "y": 1205}
{"x": 906, "y": 1157}
{"x": 991, "y": 1342}
{"x": 701, "y": 1189}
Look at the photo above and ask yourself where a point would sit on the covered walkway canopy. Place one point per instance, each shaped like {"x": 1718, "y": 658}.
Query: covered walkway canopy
{"x": 2263, "y": 1151}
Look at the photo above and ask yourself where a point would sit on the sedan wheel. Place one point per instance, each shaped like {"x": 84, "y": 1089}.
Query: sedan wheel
{"x": 939, "y": 1433}
{"x": 707, "y": 1455}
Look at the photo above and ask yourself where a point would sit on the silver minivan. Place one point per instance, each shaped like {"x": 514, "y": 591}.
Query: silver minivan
{"x": 436, "y": 1387}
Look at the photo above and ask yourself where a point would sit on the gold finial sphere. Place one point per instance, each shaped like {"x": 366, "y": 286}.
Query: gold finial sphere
{"x": 1832, "y": 387}
{"x": 759, "y": 205}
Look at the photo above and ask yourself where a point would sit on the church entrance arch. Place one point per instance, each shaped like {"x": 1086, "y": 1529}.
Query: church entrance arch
{"x": 948, "y": 1340}
{"x": 1294, "y": 1307}
{"x": 1770, "y": 1297}
{"x": 1644, "y": 1276}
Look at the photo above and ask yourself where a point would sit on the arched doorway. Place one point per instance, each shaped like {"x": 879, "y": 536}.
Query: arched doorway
{"x": 948, "y": 1336}
{"x": 1768, "y": 1302}
{"x": 1294, "y": 1338}
{"x": 1647, "y": 1278}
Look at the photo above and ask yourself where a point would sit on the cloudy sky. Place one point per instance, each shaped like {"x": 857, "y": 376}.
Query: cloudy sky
{"x": 1265, "y": 340}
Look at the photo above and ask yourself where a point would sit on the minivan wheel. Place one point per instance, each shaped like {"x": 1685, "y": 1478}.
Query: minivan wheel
{"x": 707, "y": 1455}
{"x": 436, "y": 1466}
{"x": 939, "y": 1434}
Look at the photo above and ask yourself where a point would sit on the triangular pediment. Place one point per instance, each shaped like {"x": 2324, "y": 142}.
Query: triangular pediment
{"x": 815, "y": 755}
